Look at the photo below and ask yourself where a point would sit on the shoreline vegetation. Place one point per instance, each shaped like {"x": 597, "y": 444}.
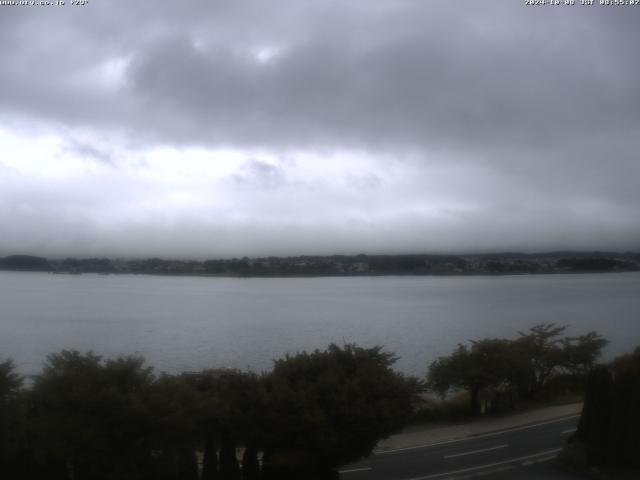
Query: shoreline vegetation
{"x": 340, "y": 265}
{"x": 88, "y": 418}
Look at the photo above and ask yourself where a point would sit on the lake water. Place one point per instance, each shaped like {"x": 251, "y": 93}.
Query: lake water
{"x": 188, "y": 323}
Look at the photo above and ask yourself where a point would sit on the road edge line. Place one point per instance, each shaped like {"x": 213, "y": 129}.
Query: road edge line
{"x": 474, "y": 436}
{"x": 489, "y": 465}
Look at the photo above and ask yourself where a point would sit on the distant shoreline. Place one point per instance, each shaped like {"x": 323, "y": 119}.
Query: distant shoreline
{"x": 328, "y": 275}
{"x": 340, "y": 275}
{"x": 340, "y": 265}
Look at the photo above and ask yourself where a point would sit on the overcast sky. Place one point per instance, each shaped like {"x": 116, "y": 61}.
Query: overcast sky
{"x": 229, "y": 128}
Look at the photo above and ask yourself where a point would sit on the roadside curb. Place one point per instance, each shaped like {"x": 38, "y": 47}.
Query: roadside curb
{"x": 452, "y": 433}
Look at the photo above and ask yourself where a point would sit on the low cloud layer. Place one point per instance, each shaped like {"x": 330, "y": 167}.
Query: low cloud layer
{"x": 233, "y": 128}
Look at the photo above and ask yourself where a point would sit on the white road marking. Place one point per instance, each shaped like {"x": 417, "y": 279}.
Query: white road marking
{"x": 495, "y": 470}
{"x": 571, "y": 430}
{"x": 476, "y": 451}
{"x": 353, "y": 470}
{"x": 490, "y": 465}
{"x": 483, "y": 473}
{"x": 537, "y": 460}
{"x": 545, "y": 459}
{"x": 466, "y": 439}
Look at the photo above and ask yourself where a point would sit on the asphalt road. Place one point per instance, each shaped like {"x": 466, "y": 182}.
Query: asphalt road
{"x": 519, "y": 452}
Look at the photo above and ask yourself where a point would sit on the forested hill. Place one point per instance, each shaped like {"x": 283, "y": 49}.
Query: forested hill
{"x": 415, "y": 264}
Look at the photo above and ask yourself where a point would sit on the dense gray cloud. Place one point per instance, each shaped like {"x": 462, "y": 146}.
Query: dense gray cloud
{"x": 318, "y": 126}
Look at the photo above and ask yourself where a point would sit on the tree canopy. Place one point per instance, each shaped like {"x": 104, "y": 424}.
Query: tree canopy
{"x": 331, "y": 407}
{"x": 10, "y": 381}
{"x": 610, "y": 422}
{"x": 89, "y": 418}
{"x": 524, "y": 365}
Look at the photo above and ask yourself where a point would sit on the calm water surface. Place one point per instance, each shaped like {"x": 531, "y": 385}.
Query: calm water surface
{"x": 187, "y": 323}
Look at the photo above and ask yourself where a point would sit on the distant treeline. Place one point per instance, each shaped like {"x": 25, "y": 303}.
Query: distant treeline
{"x": 504, "y": 263}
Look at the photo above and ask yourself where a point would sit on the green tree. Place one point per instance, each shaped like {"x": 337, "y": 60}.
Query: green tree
{"x": 596, "y": 413}
{"x": 542, "y": 346}
{"x": 250, "y": 465}
{"x": 582, "y": 352}
{"x": 229, "y": 413}
{"x": 229, "y": 466}
{"x": 11, "y": 421}
{"x": 210, "y": 460}
{"x": 624, "y": 431}
{"x": 610, "y": 419}
{"x": 331, "y": 407}
{"x": 487, "y": 363}
{"x": 548, "y": 353}
{"x": 10, "y": 381}
{"x": 526, "y": 364}
{"x": 91, "y": 415}
{"x": 173, "y": 404}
